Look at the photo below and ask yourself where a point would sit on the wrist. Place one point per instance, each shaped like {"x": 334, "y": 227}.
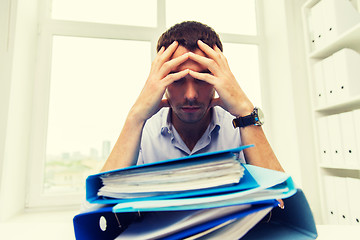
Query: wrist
{"x": 244, "y": 110}
{"x": 136, "y": 116}
{"x": 256, "y": 117}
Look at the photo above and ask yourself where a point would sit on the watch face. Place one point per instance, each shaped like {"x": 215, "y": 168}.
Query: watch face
{"x": 259, "y": 116}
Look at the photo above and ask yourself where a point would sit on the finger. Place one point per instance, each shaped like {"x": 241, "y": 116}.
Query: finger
{"x": 281, "y": 203}
{"x": 169, "y": 66}
{"x": 214, "y": 53}
{"x": 208, "y": 50}
{"x": 217, "y": 49}
{"x": 165, "y": 56}
{"x": 206, "y": 77}
{"x": 207, "y": 62}
{"x": 223, "y": 61}
{"x": 162, "y": 49}
{"x": 174, "y": 76}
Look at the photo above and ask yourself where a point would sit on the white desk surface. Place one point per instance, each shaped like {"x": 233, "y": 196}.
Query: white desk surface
{"x": 330, "y": 232}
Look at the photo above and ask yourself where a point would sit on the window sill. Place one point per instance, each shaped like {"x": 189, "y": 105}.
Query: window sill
{"x": 40, "y": 225}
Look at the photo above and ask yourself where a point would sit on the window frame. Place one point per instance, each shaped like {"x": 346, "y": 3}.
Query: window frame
{"x": 47, "y": 28}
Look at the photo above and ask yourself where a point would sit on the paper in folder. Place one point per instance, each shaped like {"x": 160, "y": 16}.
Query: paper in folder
{"x": 227, "y": 207}
{"x": 216, "y": 176}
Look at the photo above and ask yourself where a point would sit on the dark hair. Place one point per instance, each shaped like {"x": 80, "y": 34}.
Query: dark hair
{"x": 187, "y": 34}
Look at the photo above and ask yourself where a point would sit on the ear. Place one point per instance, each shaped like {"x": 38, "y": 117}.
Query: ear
{"x": 216, "y": 102}
{"x": 164, "y": 103}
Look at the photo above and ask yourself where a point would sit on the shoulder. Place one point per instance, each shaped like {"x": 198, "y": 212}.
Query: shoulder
{"x": 157, "y": 122}
{"x": 224, "y": 119}
{"x": 222, "y": 115}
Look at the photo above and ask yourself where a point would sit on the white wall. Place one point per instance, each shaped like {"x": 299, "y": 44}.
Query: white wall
{"x": 289, "y": 101}
{"x": 18, "y": 81}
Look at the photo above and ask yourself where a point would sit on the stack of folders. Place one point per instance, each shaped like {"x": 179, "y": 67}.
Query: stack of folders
{"x": 204, "y": 196}
{"x": 328, "y": 19}
{"x": 339, "y": 140}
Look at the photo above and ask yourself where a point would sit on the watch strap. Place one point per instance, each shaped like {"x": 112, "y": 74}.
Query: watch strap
{"x": 244, "y": 121}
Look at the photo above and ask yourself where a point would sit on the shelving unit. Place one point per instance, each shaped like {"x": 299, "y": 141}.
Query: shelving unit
{"x": 348, "y": 39}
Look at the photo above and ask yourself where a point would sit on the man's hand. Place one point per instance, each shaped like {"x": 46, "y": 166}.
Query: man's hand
{"x": 150, "y": 100}
{"x": 232, "y": 97}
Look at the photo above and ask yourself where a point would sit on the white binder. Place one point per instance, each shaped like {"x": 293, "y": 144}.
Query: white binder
{"x": 332, "y": 93}
{"x": 348, "y": 137}
{"x": 324, "y": 143}
{"x": 353, "y": 185}
{"x": 317, "y": 25}
{"x": 335, "y": 140}
{"x": 319, "y": 84}
{"x": 334, "y": 21}
{"x": 356, "y": 115}
{"x": 341, "y": 198}
{"x": 331, "y": 210}
{"x": 347, "y": 72}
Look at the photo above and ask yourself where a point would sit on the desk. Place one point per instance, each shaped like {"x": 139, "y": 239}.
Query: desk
{"x": 332, "y": 232}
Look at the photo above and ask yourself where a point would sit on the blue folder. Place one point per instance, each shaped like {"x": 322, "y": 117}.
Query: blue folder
{"x": 94, "y": 182}
{"x": 259, "y": 187}
{"x": 294, "y": 222}
{"x": 270, "y": 185}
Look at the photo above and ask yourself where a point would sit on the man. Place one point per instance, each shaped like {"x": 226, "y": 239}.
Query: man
{"x": 188, "y": 69}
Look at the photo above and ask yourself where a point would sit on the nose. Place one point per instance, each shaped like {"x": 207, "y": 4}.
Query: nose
{"x": 191, "y": 92}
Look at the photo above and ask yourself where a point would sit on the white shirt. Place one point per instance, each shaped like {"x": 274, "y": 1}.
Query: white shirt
{"x": 160, "y": 140}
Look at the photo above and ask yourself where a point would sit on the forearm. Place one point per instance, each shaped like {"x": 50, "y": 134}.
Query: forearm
{"x": 126, "y": 150}
{"x": 261, "y": 154}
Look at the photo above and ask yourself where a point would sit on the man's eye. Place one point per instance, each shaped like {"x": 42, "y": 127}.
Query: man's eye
{"x": 179, "y": 82}
{"x": 200, "y": 82}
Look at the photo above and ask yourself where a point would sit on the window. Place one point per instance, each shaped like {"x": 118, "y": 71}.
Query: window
{"x": 229, "y": 16}
{"x": 93, "y": 85}
{"x": 94, "y": 58}
{"x": 125, "y": 12}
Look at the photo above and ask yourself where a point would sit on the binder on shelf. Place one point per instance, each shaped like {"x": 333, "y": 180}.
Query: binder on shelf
{"x": 328, "y": 22}
{"x": 348, "y": 137}
{"x": 330, "y": 196}
{"x": 353, "y": 184}
{"x": 341, "y": 198}
{"x": 356, "y": 115}
{"x": 347, "y": 72}
{"x": 324, "y": 140}
{"x": 334, "y": 21}
{"x": 294, "y": 222}
{"x": 336, "y": 145}
{"x": 320, "y": 96}
{"x": 317, "y": 25}
{"x": 332, "y": 92}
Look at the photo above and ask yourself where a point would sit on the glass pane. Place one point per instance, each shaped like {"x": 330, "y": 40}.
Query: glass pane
{"x": 244, "y": 64}
{"x": 94, "y": 82}
{"x": 134, "y": 12}
{"x": 228, "y": 16}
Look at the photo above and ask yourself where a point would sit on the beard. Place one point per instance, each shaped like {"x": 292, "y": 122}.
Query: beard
{"x": 190, "y": 111}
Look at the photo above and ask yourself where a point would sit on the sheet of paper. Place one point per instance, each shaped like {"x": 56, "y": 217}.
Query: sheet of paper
{"x": 160, "y": 224}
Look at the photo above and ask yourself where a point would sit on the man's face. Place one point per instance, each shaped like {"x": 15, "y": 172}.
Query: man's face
{"x": 190, "y": 98}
